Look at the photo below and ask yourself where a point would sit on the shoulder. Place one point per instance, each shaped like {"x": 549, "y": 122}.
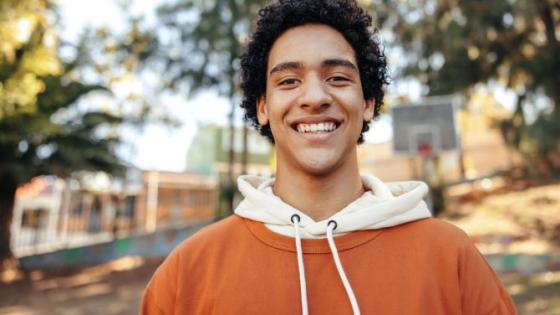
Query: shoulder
{"x": 435, "y": 229}
{"x": 186, "y": 262}
{"x": 204, "y": 244}
{"x": 216, "y": 234}
{"x": 219, "y": 228}
{"x": 432, "y": 235}
{"x": 456, "y": 256}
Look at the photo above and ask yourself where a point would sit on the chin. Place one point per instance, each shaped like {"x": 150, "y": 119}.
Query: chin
{"x": 319, "y": 167}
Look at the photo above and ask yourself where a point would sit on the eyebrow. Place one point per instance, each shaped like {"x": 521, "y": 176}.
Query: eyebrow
{"x": 339, "y": 62}
{"x": 294, "y": 65}
{"x": 291, "y": 65}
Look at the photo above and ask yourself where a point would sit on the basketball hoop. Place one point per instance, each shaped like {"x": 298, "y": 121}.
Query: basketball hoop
{"x": 425, "y": 149}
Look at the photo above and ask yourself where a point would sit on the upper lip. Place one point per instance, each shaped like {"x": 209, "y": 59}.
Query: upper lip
{"x": 314, "y": 120}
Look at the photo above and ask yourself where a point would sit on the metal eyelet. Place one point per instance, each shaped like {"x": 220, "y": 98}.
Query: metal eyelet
{"x": 295, "y": 216}
{"x": 335, "y": 224}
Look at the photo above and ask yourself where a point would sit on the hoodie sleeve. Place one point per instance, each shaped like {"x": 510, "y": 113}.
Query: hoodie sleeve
{"x": 159, "y": 296}
{"x": 149, "y": 305}
{"x": 482, "y": 293}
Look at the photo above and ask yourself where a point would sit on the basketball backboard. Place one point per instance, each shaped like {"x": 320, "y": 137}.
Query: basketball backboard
{"x": 426, "y": 128}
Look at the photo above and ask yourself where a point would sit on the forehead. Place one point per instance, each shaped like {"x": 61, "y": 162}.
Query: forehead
{"x": 310, "y": 44}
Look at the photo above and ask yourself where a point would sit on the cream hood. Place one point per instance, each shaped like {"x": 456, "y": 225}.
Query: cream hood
{"x": 382, "y": 205}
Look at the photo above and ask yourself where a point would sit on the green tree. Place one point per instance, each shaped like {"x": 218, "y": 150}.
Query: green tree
{"x": 453, "y": 45}
{"x": 41, "y": 129}
{"x": 201, "y": 42}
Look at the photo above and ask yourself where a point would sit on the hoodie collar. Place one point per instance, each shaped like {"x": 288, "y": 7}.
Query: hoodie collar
{"x": 382, "y": 205}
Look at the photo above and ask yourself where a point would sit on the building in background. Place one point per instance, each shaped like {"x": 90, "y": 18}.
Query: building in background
{"x": 51, "y": 213}
{"x": 209, "y": 152}
{"x": 170, "y": 198}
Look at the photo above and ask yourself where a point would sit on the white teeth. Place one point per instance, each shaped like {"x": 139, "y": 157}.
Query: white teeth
{"x": 319, "y": 127}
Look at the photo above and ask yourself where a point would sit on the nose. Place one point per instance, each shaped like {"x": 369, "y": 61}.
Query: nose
{"x": 314, "y": 95}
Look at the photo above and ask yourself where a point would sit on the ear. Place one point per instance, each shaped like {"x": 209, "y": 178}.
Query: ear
{"x": 262, "y": 112}
{"x": 369, "y": 109}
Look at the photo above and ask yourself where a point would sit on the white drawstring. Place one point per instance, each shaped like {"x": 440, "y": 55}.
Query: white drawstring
{"x": 331, "y": 226}
{"x": 302, "y": 285}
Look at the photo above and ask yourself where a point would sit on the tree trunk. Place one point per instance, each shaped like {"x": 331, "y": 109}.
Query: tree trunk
{"x": 8, "y": 188}
{"x": 548, "y": 21}
{"x": 547, "y": 17}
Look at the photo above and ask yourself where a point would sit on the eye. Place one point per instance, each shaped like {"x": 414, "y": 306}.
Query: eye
{"x": 288, "y": 82}
{"x": 338, "y": 78}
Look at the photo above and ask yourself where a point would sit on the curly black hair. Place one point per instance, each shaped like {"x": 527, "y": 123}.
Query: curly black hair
{"x": 353, "y": 22}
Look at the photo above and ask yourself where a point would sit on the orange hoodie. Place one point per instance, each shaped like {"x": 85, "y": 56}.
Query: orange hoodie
{"x": 381, "y": 254}
{"x": 239, "y": 266}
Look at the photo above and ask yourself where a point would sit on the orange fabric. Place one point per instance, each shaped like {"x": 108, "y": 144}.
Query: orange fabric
{"x": 238, "y": 266}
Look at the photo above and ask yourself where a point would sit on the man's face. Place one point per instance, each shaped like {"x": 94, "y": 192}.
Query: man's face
{"x": 314, "y": 100}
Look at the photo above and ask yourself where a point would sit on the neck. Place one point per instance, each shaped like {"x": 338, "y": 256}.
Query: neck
{"x": 319, "y": 196}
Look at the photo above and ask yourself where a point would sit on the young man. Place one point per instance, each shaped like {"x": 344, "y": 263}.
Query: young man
{"x": 320, "y": 238}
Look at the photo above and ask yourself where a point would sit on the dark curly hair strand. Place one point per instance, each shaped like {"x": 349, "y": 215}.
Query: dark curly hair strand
{"x": 353, "y": 22}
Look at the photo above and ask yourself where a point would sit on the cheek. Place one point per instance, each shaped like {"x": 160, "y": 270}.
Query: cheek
{"x": 355, "y": 107}
{"x": 276, "y": 107}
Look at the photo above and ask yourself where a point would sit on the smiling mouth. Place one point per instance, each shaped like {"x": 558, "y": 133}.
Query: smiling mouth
{"x": 322, "y": 127}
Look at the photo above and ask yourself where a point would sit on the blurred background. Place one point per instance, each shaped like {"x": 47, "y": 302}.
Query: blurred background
{"x": 120, "y": 136}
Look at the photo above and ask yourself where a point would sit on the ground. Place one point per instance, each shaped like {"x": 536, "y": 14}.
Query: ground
{"x": 112, "y": 288}
{"x": 525, "y": 221}
{"x": 507, "y": 221}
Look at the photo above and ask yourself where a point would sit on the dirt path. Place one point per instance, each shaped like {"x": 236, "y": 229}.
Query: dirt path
{"x": 113, "y": 288}
{"x": 526, "y": 222}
